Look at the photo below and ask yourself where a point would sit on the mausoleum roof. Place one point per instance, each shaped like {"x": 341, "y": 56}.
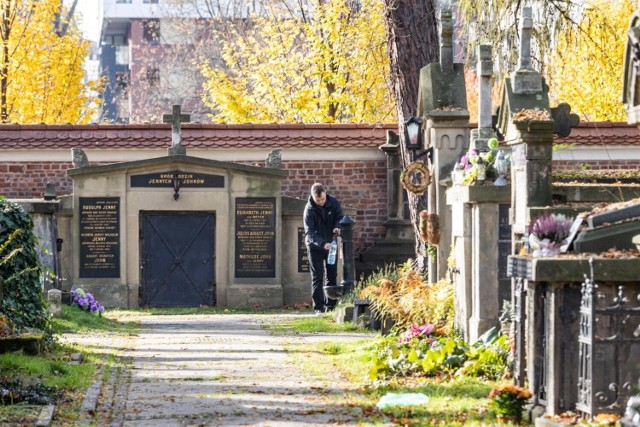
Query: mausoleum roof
{"x": 196, "y": 135}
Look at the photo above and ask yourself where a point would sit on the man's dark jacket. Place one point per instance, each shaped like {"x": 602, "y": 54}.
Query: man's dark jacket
{"x": 319, "y": 222}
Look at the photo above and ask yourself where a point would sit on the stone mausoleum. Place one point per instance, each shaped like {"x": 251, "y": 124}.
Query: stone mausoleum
{"x": 181, "y": 230}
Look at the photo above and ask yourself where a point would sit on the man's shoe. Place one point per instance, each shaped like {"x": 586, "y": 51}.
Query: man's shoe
{"x": 319, "y": 313}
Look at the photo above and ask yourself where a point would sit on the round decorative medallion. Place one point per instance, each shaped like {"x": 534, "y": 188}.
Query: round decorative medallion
{"x": 416, "y": 178}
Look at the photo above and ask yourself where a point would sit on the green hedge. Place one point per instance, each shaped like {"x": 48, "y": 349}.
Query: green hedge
{"x": 21, "y": 294}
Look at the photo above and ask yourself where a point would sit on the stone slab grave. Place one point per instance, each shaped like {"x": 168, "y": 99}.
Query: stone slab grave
{"x": 614, "y": 226}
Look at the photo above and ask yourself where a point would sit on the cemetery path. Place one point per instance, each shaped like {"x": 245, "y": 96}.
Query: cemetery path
{"x": 223, "y": 370}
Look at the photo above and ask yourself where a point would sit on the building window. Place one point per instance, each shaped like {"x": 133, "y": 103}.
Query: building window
{"x": 151, "y": 31}
{"x": 150, "y": 1}
{"x": 152, "y": 76}
{"x": 122, "y": 85}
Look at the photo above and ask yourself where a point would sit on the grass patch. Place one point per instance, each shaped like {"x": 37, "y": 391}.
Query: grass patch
{"x": 74, "y": 320}
{"x": 310, "y": 325}
{"x": 177, "y": 311}
{"x": 52, "y": 368}
{"x": 22, "y": 414}
{"x": 458, "y": 401}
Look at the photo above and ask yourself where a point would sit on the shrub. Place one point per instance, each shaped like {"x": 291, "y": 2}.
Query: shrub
{"x": 407, "y": 298}
{"x": 422, "y": 351}
{"x": 388, "y": 271}
{"x": 21, "y": 296}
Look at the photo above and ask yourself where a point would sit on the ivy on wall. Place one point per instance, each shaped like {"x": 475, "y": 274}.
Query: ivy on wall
{"x": 21, "y": 293}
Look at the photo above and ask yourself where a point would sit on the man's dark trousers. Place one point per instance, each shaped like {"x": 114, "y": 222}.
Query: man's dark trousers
{"x": 317, "y": 262}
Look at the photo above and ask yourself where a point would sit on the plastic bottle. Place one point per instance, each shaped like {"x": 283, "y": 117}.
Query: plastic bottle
{"x": 333, "y": 252}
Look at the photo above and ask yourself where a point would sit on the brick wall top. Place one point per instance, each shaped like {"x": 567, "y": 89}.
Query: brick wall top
{"x": 193, "y": 135}
{"x": 196, "y": 135}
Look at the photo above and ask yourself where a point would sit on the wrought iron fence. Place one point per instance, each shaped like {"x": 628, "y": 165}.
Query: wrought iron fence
{"x": 609, "y": 346}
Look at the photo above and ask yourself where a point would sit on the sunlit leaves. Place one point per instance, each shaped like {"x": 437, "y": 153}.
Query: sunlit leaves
{"x": 326, "y": 65}
{"x": 586, "y": 68}
{"x": 44, "y": 70}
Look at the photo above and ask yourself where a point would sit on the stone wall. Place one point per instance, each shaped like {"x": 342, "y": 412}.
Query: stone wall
{"x": 346, "y": 157}
{"x": 358, "y": 184}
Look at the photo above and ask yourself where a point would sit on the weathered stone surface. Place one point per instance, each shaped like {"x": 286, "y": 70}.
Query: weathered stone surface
{"x": 573, "y": 268}
{"x": 255, "y": 295}
{"x": 618, "y": 236}
{"x": 54, "y": 297}
{"x": 343, "y": 314}
{"x": 220, "y": 370}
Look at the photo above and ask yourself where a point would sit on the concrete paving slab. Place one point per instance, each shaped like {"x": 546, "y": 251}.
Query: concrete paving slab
{"x": 221, "y": 370}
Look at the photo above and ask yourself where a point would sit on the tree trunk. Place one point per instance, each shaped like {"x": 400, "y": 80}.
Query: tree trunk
{"x": 412, "y": 38}
{"x": 5, "y": 32}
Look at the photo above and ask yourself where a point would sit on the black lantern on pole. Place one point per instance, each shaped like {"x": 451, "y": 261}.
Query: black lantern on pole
{"x": 413, "y": 134}
{"x": 413, "y": 138}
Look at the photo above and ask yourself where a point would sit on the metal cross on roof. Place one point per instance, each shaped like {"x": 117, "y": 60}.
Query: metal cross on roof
{"x": 176, "y": 118}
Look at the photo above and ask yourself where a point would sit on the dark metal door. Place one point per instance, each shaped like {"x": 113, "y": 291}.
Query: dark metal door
{"x": 177, "y": 259}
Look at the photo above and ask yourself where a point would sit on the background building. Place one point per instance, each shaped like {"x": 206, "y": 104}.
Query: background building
{"x": 148, "y": 50}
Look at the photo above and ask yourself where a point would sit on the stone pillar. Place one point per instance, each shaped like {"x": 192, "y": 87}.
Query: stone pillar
{"x": 348, "y": 259}
{"x": 484, "y": 277}
{"x": 394, "y": 167}
{"x": 449, "y": 136}
{"x": 446, "y": 41}
{"x": 532, "y": 149}
{"x": 478, "y": 213}
{"x": 43, "y": 213}
{"x": 461, "y": 275}
{"x": 442, "y": 105}
{"x": 399, "y": 229}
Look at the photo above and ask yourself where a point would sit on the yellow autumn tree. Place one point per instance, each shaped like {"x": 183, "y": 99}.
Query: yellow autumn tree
{"x": 41, "y": 70}
{"x": 325, "y": 64}
{"x": 585, "y": 67}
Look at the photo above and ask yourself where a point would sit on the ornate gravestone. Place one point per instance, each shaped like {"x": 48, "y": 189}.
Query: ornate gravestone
{"x": 484, "y": 132}
{"x": 442, "y": 105}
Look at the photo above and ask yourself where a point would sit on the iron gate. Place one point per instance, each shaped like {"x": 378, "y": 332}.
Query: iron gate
{"x": 177, "y": 259}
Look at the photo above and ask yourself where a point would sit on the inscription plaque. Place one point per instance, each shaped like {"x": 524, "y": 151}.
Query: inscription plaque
{"x": 303, "y": 256}
{"x": 187, "y": 180}
{"x": 255, "y": 254}
{"x": 504, "y": 228}
{"x": 99, "y": 237}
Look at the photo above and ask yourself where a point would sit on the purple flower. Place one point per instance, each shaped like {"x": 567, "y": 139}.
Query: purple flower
{"x": 554, "y": 227}
{"x": 86, "y": 301}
